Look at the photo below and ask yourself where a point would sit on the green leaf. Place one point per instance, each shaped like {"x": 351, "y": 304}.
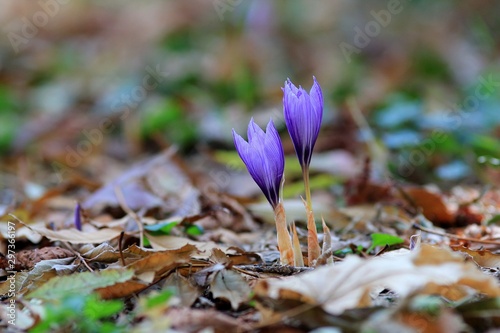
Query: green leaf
{"x": 194, "y": 230}
{"x": 159, "y": 299}
{"x": 97, "y": 309}
{"x": 487, "y": 146}
{"x": 82, "y": 283}
{"x": 162, "y": 228}
{"x": 494, "y": 220}
{"x": 379, "y": 239}
{"x": 80, "y": 313}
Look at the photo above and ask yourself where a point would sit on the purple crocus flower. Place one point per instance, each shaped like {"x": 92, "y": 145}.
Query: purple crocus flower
{"x": 303, "y": 114}
{"x": 264, "y": 158}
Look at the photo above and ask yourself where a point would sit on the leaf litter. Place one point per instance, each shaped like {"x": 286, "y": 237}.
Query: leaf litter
{"x": 366, "y": 268}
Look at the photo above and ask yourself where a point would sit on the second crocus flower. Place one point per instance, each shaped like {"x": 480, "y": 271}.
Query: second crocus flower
{"x": 303, "y": 115}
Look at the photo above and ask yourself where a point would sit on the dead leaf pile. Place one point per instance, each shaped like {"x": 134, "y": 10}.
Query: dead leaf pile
{"x": 356, "y": 283}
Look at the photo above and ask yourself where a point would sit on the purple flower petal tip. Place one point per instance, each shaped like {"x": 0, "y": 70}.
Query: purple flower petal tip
{"x": 264, "y": 158}
{"x": 303, "y": 113}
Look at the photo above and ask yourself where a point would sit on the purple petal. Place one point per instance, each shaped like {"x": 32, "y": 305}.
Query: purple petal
{"x": 303, "y": 115}
{"x": 263, "y": 157}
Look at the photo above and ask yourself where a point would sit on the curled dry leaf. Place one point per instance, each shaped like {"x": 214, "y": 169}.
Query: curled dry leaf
{"x": 75, "y": 236}
{"x": 167, "y": 242}
{"x": 433, "y": 205}
{"x": 152, "y": 267}
{"x": 232, "y": 286}
{"x": 481, "y": 257}
{"x": 41, "y": 272}
{"x": 184, "y": 290}
{"x": 348, "y": 285}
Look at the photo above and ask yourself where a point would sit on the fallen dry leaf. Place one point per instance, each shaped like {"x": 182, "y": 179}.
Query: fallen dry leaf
{"x": 75, "y": 236}
{"x": 85, "y": 282}
{"x": 483, "y": 258}
{"x": 157, "y": 262}
{"x": 167, "y": 242}
{"x": 348, "y": 285}
{"x": 433, "y": 205}
{"x": 231, "y": 286}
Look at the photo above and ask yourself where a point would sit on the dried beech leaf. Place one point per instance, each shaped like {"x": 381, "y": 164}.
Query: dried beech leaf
{"x": 172, "y": 242}
{"x": 157, "y": 262}
{"x": 482, "y": 257}
{"x": 105, "y": 253}
{"x": 231, "y": 286}
{"x": 184, "y": 290}
{"x": 348, "y": 285}
{"x": 433, "y": 205}
{"x": 219, "y": 256}
{"x": 75, "y": 236}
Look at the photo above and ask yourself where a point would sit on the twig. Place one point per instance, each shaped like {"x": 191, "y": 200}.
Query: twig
{"x": 242, "y": 271}
{"x": 444, "y": 234}
{"x": 76, "y": 253}
{"x": 120, "y": 248}
{"x": 135, "y": 217}
{"x": 274, "y": 269}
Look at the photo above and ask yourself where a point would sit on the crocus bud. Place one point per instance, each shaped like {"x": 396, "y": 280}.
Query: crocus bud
{"x": 303, "y": 114}
{"x": 264, "y": 158}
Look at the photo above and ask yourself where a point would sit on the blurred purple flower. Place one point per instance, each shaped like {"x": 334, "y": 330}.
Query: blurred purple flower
{"x": 78, "y": 217}
{"x": 303, "y": 114}
{"x": 264, "y": 158}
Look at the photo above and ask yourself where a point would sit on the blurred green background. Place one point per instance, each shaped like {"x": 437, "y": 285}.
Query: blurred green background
{"x": 123, "y": 78}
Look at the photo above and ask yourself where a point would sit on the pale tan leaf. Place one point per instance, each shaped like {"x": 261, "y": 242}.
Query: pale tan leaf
{"x": 348, "y": 285}
{"x": 184, "y": 290}
{"x": 172, "y": 242}
{"x": 482, "y": 257}
{"x": 231, "y": 286}
{"x": 146, "y": 277}
{"x": 43, "y": 272}
{"x": 75, "y": 236}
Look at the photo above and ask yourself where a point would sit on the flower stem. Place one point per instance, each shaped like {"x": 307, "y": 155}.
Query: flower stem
{"x": 305, "y": 175}
{"x": 313, "y": 249}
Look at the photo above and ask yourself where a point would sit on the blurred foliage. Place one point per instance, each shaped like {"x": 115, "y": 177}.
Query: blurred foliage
{"x": 218, "y": 69}
{"x": 80, "y": 313}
